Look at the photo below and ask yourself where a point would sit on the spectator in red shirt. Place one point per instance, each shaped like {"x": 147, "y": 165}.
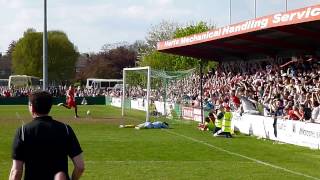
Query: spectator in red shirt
{"x": 7, "y": 93}
{"x": 235, "y": 99}
{"x": 294, "y": 114}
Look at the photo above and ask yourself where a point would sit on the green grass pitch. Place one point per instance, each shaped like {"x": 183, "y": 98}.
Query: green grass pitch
{"x": 181, "y": 152}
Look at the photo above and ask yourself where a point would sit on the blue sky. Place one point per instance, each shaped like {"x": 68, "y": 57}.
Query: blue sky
{"x": 92, "y": 23}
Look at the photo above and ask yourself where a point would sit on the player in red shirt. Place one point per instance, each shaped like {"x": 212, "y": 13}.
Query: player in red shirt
{"x": 70, "y": 101}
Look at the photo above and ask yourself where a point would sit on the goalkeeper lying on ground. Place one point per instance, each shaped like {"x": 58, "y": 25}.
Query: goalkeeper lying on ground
{"x": 148, "y": 125}
{"x": 152, "y": 125}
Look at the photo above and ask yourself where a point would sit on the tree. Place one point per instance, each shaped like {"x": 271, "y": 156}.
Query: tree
{"x": 109, "y": 64}
{"x": 62, "y": 55}
{"x": 11, "y": 47}
{"x": 29, "y": 30}
{"x": 99, "y": 68}
{"x": 163, "y": 31}
{"x": 168, "y": 62}
{"x": 140, "y": 47}
{"x": 192, "y": 29}
{"x": 109, "y": 46}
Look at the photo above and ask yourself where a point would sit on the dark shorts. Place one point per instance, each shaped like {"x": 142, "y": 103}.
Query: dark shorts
{"x": 216, "y": 129}
{"x": 277, "y": 113}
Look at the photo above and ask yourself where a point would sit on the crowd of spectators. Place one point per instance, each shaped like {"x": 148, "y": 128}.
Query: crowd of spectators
{"x": 287, "y": 88}
{"x": 20, "y": 92}
{"x": 58, "y": 91}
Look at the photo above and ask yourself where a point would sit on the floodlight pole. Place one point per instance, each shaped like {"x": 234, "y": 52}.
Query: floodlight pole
{"x": 45, "y": 50}
{"x": 255, "y": 8}
{"x": 123, "y": 91}
{"x": 165, "y": 97}
{"x": 286, "y": 5}
{"x": 230, "y": 12}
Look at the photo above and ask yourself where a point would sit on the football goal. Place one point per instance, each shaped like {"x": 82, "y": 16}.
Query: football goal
{"x": 155, "y": 92}
{"x": 135, "y": 89}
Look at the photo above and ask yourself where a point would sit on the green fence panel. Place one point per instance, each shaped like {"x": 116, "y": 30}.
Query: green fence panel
{"x": 206, "y": 113}
{"x": 100, "y": 100}
{"x": 127, "y": 103}
{"x": 57, "y": 100}
{"x": 108, "y": 100}
{"x": 177, "y": 109}
{"x": 14, "y": 101}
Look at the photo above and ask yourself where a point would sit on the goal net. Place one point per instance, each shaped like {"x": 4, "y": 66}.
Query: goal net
{"x": 153, "y": 92}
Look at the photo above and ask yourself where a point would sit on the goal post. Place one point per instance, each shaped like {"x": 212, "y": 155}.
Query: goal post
{"x": 148, "y": 89}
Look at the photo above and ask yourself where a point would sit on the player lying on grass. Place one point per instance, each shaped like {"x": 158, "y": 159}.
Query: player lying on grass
{"x": 153, "y": 125}
{"x": 70, "y": 101}
{"x": 148, "y": 125}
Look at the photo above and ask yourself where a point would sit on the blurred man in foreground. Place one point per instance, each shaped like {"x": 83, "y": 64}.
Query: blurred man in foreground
{"x": 43, "y": 145}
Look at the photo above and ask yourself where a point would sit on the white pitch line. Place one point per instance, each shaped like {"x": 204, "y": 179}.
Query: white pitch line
{"x": 243, "y": 156}
{"x": 151, "y": 161}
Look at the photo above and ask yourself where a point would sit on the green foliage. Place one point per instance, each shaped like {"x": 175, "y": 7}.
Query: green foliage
{"x": 210, "y": 65}
{"x": 187, "y": 62}
{"x": 134, "y": 79}
{"x": 168, "y": 62}
{"x": 192, "y": 29}
{"x": 10, "y": 49}
{"x": 62, "y": 55}
{"x": 29, "y": 30}
{"x": 76, "y": 84}
{"x": 27, "y": 55}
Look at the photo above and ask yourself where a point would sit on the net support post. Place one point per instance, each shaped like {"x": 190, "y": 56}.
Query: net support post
{"x": 165, "y": 97}
{"x": 148, "y": 94}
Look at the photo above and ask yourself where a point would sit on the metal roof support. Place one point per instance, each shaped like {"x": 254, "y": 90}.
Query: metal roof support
{"x": 201, "y": 90}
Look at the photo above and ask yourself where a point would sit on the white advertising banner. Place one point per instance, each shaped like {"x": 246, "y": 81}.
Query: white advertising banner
{"x": 197, "y": 114}
{"x": 287, "y": 131}
{"x": 160, "y": 107}
{"x": 116, "y": 102}
{"x": 191, "y": 113}
{"x": 139, "y": 104}
{"x": 292, "y": 132}
{"x": 187, "y": 113}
